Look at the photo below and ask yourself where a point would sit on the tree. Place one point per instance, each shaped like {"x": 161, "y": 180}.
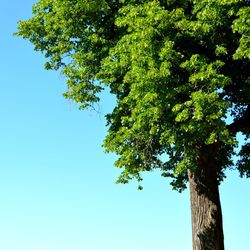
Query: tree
{"x": 178, "y": 69}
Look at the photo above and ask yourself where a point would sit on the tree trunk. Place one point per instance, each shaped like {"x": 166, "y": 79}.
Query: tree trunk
{"x": 207, "y": 229}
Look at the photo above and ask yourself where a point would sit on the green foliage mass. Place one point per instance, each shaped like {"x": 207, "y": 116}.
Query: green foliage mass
{"x": 176, "y": 67}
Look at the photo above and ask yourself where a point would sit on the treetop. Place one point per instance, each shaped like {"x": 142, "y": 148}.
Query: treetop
{"x": 178, "y": 69}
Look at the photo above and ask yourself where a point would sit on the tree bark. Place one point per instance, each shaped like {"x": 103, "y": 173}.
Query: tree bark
{"x": 207, "y": 229}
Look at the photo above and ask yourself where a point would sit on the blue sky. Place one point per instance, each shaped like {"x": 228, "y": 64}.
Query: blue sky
{"x": 57, "y": 188}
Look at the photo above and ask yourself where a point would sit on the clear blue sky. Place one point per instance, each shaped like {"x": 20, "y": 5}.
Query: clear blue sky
{"x": 57, "y": 188}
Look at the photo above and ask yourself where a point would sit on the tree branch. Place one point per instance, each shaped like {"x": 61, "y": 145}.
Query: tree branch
{"x": 242, "y": 124}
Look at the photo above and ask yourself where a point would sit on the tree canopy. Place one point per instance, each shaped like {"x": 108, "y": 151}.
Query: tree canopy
{"x": 178, "y": 69}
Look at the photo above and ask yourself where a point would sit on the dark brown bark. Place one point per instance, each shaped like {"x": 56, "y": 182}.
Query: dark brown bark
{"x": 207, "y": 229}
